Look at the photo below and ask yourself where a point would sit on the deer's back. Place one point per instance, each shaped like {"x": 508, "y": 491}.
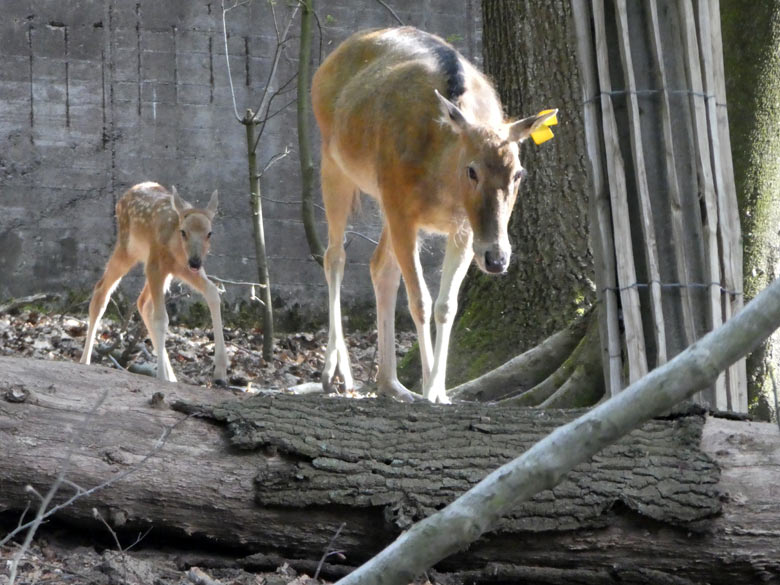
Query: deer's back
{"x": 374, "y": 101}
{"x": 145, "y": 216}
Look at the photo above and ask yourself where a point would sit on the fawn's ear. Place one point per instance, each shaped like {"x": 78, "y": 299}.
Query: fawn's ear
{"x": 179, "y": 204}
{"x": 211, "y": 208}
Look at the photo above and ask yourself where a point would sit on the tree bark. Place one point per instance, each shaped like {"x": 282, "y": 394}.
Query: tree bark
{"x": 677, "y": 501}
{"x": 256, "y": 203}
{"x": 303, "y": 110}
{"x": 751, "y": 48}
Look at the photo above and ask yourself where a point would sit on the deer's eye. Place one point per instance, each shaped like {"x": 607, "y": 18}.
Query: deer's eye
{"x": 208, "y": 235}
{"x": 183, "y": 234}
{"x": 471, "y": 173}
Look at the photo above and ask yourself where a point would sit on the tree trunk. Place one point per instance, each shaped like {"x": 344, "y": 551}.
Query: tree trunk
{"x": 751, "y": 47}
{"x": 303, "y": 109}
{"x": 529, "y": 52}
{"x": 258, "y": 228}
{"x": 287, "y": 472}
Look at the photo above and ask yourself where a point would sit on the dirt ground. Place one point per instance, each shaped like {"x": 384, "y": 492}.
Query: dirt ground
{"x": 62, "y": 555}
{"x": 57, "y": 557}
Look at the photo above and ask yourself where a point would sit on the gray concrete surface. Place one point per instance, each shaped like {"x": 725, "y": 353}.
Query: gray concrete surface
{"x": 97, "y": 95}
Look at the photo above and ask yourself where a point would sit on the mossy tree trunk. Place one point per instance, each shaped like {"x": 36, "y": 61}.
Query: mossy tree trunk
{"x": 530, "y": 52}
{"x": 751, "y": 47}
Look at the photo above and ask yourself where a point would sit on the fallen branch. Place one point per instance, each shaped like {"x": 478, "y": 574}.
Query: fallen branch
{"x": 30, "y": 300}
{"x": 547, "y": 463}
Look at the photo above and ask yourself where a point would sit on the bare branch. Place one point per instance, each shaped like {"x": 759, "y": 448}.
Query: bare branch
{"x": 391, "y": 11}
{"x": 236, "y": 282}
{"x": 32, "y": 299}
{"x": 774, "y": 391}
{"x": 281, "y": 41}
{"x": 273, "y": 160}
{"x": 227, "y": 52}
{"x": 35, "y": 523}
{"x": 365, "y": 237}
{"x": 328, "y": 549}
{"x": 98, "y": 516}
{"x": 81, "y": 494}
{"x": 548, "y": 462}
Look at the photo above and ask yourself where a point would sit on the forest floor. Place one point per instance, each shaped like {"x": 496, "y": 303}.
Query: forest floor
{"x": 65, "y": 555}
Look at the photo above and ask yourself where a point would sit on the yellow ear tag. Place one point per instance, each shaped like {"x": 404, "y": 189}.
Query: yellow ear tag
{"x": 544, "y": 133}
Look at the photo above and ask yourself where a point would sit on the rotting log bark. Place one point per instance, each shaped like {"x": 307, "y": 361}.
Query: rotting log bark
{"x": 285, "y": 472}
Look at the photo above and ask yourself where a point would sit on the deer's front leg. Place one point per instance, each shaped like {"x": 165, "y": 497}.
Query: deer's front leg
{"x": 220, "y": 353}
{"x": 200, "y": 282}
{"x": 404, "y": 239}
{"x": 456, "y": 262}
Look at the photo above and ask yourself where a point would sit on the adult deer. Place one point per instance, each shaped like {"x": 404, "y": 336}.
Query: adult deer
{"x": 171, "y": 238}
{"x": 442, "y": 164}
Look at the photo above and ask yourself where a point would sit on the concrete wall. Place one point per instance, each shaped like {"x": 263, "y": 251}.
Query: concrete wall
{"x": 97, "y": 95}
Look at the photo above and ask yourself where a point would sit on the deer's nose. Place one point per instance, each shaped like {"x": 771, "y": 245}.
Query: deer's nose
{"x": 495, "y": 262}
{"x": 195, "y": 264}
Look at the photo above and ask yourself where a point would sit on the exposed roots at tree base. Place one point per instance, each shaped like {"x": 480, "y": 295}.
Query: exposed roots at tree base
{"x": 564, "y": 371}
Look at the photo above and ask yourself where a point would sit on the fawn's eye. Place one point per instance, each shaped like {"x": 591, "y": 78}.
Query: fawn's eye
{"x": 471, "y": 173}
{"x": 208, "y": 235}
{"x": 183, "y": 234}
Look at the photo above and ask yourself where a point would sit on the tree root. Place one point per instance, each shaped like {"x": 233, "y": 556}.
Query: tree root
{"x": 523, "y": 372}
{"x": 564, "y": 371}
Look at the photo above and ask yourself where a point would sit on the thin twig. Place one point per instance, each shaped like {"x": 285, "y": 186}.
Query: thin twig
{"x": 46, "y": 500}
{"x": 281, "y": 40}
{"x": 157, "y": 447}
{"x": 236, "y": 282}
{"x": 328, "y": 551}
{"x": 774, "y": 389}
{"x": 273, "y": 160}
{"x": 365, "y": 237}
{"x": 98, "y": 516}
{"x": 268, "y": 117}
{"x": 227, "y": 52}
{"x": 36, "y": 298}
{"x": 139, "y": 539}
{"x": 391, "y": 11}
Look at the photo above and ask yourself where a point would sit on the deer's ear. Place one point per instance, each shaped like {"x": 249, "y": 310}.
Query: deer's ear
{"x": 451, "y": 114}
{"x": 211, "y": 209}
{"x": 522, "y": 129}
{"x": 179, "y": 204}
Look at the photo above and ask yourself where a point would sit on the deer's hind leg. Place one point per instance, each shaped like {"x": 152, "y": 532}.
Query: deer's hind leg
{"x": 386, "y": 277}
{"x": 116, "y": 267}
{"x": 338, "y": 192}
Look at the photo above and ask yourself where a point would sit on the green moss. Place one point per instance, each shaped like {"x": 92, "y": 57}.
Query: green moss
{"x": 195, "y": 314}
{"x": 751, "y": 47}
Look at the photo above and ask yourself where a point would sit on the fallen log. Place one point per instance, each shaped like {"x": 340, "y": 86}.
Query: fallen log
{"x": 684, "y": 500}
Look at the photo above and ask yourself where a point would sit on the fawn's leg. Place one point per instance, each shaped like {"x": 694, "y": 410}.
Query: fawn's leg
{"x": 200, "y": 282}
{"x": 116, "y": 267}
{"x": 157, "y": 319}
